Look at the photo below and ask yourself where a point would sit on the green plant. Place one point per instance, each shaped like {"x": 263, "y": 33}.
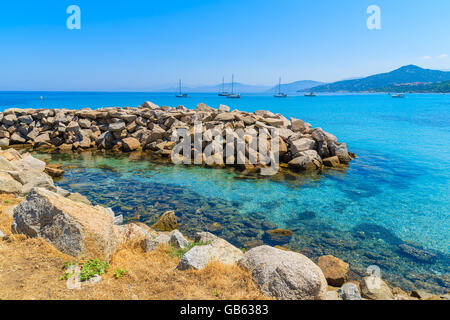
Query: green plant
{"x": 92, "y": 268}
{"x": 66, "y": 275}
{"x": 68, "y": 264}
{"x": 119, "y": 273}
{"x": 243, "y": 250}
{"x": 179, "y": 252}
{"x": 6, "y": 201}
{"x": 216, "y": 293}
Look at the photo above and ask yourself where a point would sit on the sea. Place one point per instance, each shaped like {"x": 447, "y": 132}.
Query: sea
{"x": 390, "y": 208}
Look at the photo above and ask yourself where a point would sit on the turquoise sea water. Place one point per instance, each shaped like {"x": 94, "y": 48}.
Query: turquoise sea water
{"x": 397, "y": 192}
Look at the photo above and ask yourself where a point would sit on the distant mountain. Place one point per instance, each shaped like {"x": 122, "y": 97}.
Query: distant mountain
{"x": 436, "y": 87}
{"x": 238, "y": 88}
{"x": 406, "y": 75}
{"x": 293, "y": 87}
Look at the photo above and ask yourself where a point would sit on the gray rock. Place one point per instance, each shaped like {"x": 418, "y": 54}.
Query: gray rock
{"x": 9, "y": 119}
{"x": 117, "y": 126}
{"x": 298, "y": 125}
{"x": 333, "y": 295}
{"x": 8, "y": 184}
{"x": 418, "y": 254}
{"x": 94, "y": 280}
{"x": 212, "y": 249}
{"x": 300, "y": 145}
{"x": 62, "y": 192}
{"x": 349, "y": 291}
{"x": 306, "y": 160}
{"x": 224, "y": 108}
{"x": 177, "y": 240}
{"x": 150, "y": 105}
{"x": 72, "y": 227}
{"x": 118, "y": 220}
{"x": 285, "y": 275}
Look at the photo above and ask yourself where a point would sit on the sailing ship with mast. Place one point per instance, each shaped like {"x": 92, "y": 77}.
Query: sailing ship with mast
{"x": 280, "y": 94}
{"x": 233, "y": 95}
{"x": 223, "y": 93}
{"x": 181, "y": 95}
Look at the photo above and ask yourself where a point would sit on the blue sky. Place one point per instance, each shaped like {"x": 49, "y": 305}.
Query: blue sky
{"x": 143, "y": 45}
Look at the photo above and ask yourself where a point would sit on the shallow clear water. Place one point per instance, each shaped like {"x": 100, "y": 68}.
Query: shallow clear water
{"x": 398, "y": 191}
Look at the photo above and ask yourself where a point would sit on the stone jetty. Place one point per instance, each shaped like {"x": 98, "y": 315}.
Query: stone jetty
{"x": 153, "y": 128}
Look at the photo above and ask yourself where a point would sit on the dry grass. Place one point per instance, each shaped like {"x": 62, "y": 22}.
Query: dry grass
{"x": 30, "y": 269}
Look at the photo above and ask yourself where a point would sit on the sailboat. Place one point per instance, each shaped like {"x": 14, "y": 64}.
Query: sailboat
{"x": 181, "y": 95}
{"x": 223, "y": 93}
{"x": 311, "y": 94}
{"x": 398, "y": 95}
{"x": 280, "y": 94}
{"x": 233, "y": 95}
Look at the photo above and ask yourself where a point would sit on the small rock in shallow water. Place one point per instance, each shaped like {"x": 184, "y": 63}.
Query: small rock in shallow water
{"x": 167, "y": 222}
{"x": 335, "y": 270}
{"x": 349, "y": 291}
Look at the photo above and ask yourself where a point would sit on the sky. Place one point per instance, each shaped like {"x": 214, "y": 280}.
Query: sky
{"x": 145, "y": 45}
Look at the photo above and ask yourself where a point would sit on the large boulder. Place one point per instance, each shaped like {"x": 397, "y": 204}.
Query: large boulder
{"x": 130, "y": 144}
{"x": 210, "y": 248}
{"x": 301, "y": 145}
{"x": 335, "y": 270}
{"x": 285, "y": 275}
{"x": 72, "y": 227}
{"x": 8, "y": 184}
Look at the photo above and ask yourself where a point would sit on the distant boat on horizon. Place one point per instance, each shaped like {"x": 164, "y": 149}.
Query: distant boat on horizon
{"x": 232, "y": 95}
{"x": 280, "y": 94}
{"x": 223, "y": 93}
{"x": 181, "y": 95}
{"x": 398, "y": 95}
{"x": 311, "y": 94}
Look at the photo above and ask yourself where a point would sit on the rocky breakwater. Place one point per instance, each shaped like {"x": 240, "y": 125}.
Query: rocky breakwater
{"x": 153, "y": 128}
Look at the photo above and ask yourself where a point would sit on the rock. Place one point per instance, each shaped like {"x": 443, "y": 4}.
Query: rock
{"x": 4, "y": 142}
{"x": 9, "y": 119}
{"x": 420, "y": 294}
{"x": 16, "y": 138}
{"x": 307, "y": 160}
{"x": 212, "y": 249}
{"x": 32, "y": 162}
{"x": 177, "y": 240}
{"x": 118, "y": 220}
{"x": 277, "y": 236}
{"x": 298, "y": 125}
{"x": 54, "y": 172}
{"x": 150, "y": 105}
{"x": 2, "y": 235}
{"x": 341, "y": 152}
{"x": 62, "y": 192}
{"x": 349, "y": 291}
{"x": 225, "y": 117}
{"x": 72, "y": 227}
{"x": 130, "y": 144}
{"x": 333, "y": 295}
{"x": 374, "y": 288}
{"x": 117, "y": 126}
{"x": 77, "y": 197}
{"x": 335, "y": 270}
{"x": 167, "y": 222}
{"x": 132, "y": 233}
{"x": 203, "y": 107}
{"x": 285, "y": 275}
{"x": 151, "y": 243}
{"x": 301, "y": 145}
{"x": 6, "y": 165}
{"x": 332, "y": 162}
{"x": 94, "y": 280}
{"x": 418, "y": 254}
{"x": 224, "y": 108}
{"x": 8, "y": 184}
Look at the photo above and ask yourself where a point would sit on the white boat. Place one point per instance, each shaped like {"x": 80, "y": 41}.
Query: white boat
{"x": 181, "y": 95}
{"x": 233, "y": 95}
{"x": 398, "y": 95}
{"x": 280, "y": 94}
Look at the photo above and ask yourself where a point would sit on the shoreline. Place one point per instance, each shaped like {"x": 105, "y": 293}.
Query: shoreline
{"x": 99, "y": 243}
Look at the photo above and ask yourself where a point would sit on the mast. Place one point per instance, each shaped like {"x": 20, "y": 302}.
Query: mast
{"x": 232, "y": 83}
{"x": 279, "y": 86}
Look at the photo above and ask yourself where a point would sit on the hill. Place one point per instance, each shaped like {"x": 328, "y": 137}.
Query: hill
{"x": 437, "y": 87}
{"x": 406, "y": 75}
{"x": 293, "y": 87}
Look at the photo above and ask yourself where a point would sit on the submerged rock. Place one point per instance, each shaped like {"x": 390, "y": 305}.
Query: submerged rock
{"x": 72, "y": 227}
{"x": 417, "y": 254}
{"x": 167, "y": 222}
{"x": 285, "y": 275}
